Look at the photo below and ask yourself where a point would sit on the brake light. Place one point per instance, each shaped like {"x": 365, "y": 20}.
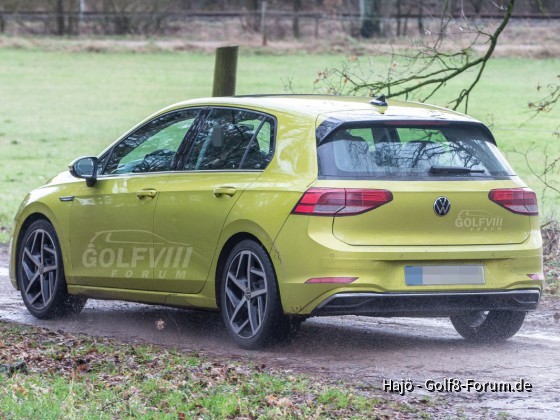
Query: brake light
{"x": 340, "y": 201}
{"x": 516, "y": 200}
{"x": 415, "y": 123}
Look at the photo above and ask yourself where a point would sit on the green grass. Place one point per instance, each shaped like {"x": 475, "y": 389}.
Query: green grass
{"x": 57, "y": 105}
{"x": 72, "y": 376}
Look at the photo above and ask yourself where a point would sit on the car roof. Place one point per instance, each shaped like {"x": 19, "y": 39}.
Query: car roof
{"x": 343, "y": 108}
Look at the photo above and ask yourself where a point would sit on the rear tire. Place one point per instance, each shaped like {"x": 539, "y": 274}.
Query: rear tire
{"x": 40, "y": 274}
{"x": 488, "y": 326}
{"x": 250, "y": 301}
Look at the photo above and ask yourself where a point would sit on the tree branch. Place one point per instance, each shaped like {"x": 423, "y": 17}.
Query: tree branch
{"x": 419, "y": 71}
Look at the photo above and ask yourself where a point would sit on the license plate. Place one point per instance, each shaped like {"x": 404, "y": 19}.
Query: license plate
{"x": 432, "y": 275}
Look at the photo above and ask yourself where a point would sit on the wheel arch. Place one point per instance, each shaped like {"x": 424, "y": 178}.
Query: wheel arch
{"x": 19, "y": 231}
{"x": 224, "y": 253}
{"x": 55, "y": 302}
{"x": 33, "y": 212}
{"x": 33, "y": 217}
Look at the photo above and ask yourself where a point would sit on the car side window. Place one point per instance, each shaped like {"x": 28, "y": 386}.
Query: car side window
{"x": 260, "y": 151}
{"x": 232, "y": 139}
{"x": 152, "y": 147}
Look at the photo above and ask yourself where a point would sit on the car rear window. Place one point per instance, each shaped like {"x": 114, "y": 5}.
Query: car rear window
{"x": 411, "y": 150}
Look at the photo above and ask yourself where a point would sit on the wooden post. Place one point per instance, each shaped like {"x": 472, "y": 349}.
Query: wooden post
{"x": 225, "y": 71}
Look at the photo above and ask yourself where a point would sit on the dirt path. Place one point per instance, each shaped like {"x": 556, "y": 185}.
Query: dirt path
{"x": 365, "y": 351}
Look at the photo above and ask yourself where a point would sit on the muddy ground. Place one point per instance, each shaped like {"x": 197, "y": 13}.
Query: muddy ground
{"x": 363, "y": 351}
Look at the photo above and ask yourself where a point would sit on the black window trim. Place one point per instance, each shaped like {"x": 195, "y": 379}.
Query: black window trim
{"x": 185, "y": 148}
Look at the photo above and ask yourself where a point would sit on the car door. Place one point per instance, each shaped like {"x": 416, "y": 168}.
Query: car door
{"x": 111, "y": 223}
{"x": 226, "y": 155}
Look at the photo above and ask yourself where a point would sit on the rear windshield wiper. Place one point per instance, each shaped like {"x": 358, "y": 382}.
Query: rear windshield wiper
{"x": 439, "y": 170}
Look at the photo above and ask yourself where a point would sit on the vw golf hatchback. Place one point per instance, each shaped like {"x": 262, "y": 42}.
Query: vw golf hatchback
{"x": 272, "y": 209}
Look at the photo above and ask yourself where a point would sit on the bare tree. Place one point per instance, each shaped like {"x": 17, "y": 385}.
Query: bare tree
{"x": 551, "y": 98}
{"x": 295, "y": 21}
{"x": 544, "y": 166}
{"x": 477, "y": 5}
{"x": 134, "y": 16}
{"x": 421, "y": 17}
{"x": 370, "y": 18}
{"x": 63, "y": 16}
{"x": 60, "y": 25}
{"x": 253, "y": 7}
{"x": 423, "y": 69}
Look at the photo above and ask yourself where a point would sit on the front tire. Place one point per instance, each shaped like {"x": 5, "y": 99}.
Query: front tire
{"x": 40, "y": 274}
{"x": 488, "y": 326}
{"x": 250, "y": 301}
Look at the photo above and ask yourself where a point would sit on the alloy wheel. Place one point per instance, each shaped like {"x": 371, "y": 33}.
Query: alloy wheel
{"x": 246, "y": 294}
{"x": 39, "y": 269}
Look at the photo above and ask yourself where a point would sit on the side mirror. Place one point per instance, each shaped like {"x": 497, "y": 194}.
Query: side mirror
{"x": 85, "y": 168}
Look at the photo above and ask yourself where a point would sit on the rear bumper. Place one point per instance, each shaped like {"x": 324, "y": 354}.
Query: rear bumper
{"x": 427, "y": 304}
{"x": 306, "y": 249}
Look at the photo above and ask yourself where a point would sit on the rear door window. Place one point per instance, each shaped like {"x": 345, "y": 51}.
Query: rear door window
{"x": 408, "y": 151}
{"x": 232, "y": 139}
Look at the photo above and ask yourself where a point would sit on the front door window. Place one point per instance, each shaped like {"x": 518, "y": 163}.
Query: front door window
{"x": 152, "y": 147}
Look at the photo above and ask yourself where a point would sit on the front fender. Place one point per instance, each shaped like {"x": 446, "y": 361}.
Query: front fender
{"x": 44, "y": 203}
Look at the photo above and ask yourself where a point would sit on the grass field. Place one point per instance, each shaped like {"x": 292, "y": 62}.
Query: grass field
{"x": 56, "y": 105}
{"x": 52, "y": 375}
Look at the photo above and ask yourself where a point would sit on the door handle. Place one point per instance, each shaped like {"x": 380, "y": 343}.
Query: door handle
{"x": 147, "y": 193}
{"x": 221, "y": 191}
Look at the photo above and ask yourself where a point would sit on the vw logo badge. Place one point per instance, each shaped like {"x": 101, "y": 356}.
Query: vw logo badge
{"x": 442, "y": 206}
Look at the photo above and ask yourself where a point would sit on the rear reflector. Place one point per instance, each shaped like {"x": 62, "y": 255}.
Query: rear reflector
{"x": 516, "y": 200}
{"x": 343, "y": 280}
{"x": 536, "y": 276}
{"x": 340, "y": 201}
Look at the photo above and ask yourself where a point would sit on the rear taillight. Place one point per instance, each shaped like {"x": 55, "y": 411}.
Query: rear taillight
{"x": 516, "y": 200}
{"x": 340, "y": 201}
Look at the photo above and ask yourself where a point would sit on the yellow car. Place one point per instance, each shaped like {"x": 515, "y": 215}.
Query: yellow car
{"x": 273, "y": 209}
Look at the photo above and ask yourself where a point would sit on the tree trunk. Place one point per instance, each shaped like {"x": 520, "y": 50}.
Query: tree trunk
{"x": 295, "y": 21}
{"x": 399, "y": 16}
{"x": 254, "y": 20}
{"x": 61, "y": 30}
{"x": 370, "y": 18}
{"x": 452, "y": 5}
{"x": 421, "y": 17}
{"x": 477, "y": 6}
